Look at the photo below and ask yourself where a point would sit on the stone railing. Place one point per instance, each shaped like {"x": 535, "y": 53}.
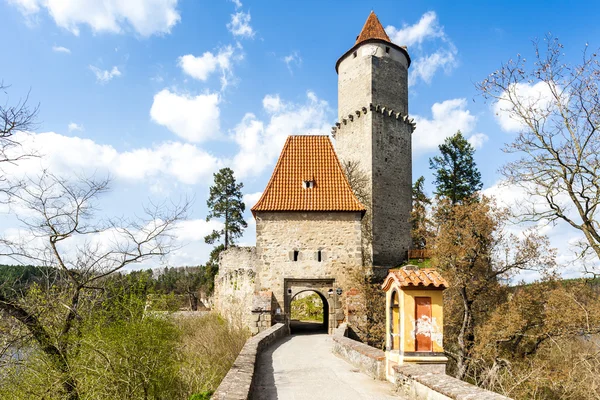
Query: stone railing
{"x": 238, "y": 383}
{"x": 367, "y": 359}
{"x": 418, "y": 383}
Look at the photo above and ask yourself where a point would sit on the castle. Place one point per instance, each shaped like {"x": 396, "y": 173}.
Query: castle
{"x": 312, "y": 232}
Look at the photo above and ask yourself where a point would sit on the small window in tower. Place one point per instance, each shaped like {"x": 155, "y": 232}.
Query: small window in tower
{"x": 295, "y": 255}
{"x": 387, "y": 49}
{"x": 308, "y": 184}
{"x": 319, "y": 256}
{"x": 354, "y": 54}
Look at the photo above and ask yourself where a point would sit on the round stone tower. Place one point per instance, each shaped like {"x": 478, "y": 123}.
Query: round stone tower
{"x": 374, "y": 134}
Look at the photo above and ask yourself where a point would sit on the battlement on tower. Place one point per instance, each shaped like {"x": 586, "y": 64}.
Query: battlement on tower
{"x": 378, "y": 109}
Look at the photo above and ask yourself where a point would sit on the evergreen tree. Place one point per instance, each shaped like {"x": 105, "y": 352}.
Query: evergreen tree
{"x": 225, "y": 202}
{"x": 456, "y": 174}
{"x": 421, "y": 225}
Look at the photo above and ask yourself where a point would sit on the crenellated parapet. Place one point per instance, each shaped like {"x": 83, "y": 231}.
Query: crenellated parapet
{"x": 376, "y": 108}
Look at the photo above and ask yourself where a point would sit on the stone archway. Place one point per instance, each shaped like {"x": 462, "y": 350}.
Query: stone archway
{"x": 307, "y": 326}
{"x": 326, "y": 290}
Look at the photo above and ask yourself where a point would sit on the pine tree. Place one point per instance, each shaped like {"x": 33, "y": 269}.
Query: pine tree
{"x": 421, "y": 225}
{"x": 225, "y": 202}
{"x": 456, "y": 174}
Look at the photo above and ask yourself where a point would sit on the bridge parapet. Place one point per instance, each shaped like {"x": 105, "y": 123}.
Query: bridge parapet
{"x": 367, "y": 359}
{"x": 419, "y": 383}
{"x": 239, "y": 381}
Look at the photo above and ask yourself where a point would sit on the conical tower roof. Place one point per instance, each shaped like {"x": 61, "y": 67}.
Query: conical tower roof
{"x": 372, "y": 30}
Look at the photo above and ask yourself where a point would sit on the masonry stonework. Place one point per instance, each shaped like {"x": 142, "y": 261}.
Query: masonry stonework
{"x": 374, "y": 130}
{"x": 337, "y": 235}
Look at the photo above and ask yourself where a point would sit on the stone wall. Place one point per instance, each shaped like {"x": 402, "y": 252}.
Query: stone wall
{"x": 418, "y": 383}
{"x": 235, "y": 285}
{"x": 374, "y": 130}
{"x": 377, "y": 74}
{"x": 278, "y": 234}
{"x": 367, "y": 359}
{"x": 239, "y": 381}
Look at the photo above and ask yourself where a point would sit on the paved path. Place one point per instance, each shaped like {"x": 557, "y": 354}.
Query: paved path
{"x": 301, "y": 367}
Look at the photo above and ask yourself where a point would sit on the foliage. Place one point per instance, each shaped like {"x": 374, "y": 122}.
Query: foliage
{"x": 542, "y": 343}
{"x": 474, "y": 251}
{"x": 210, "y": 346}
{"x": 225, "y": 202}
{"x": 366, "y": 302}
{"x": 420, "y": 222}
{"x": 556, "y": 108}
{"x": 456, "y": 175}
{"x": 309, "y": 308}
{"x": 123, "y": 352}
{"x": 62, "y": 212}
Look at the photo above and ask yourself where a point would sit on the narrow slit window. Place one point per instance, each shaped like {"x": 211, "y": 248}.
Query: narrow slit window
{"x": 295, "y": 255}
{"x": 354, "y": 54}
{"x": 387, "y": 49}
{"x": 319, "y": 256}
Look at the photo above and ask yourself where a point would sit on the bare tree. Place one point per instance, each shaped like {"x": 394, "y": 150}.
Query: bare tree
{"x": 63, "y": 234}
{"x": 360, "y": 185}
{"x": 13, "y": 119}
{"x": 557, "y": 106}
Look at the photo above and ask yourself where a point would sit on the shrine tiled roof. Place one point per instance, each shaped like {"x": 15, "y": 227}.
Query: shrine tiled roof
{"x": 413, "y": 277}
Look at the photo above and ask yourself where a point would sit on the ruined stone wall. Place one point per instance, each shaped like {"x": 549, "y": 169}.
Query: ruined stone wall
{"x": 278, "y": 234}
{"x": 235, "y": 285}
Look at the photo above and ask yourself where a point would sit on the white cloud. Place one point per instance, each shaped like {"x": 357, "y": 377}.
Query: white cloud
{"x": 272, "y": 103}
{"x": 194, "y": 118}
{"x": 61, "y": 49}
{"x": 75, "y": 127}
{"x": 105, "y": 76}
{"x": 425, "y": 67}
{"x": 538, "y": 97}
{"x": 240, "y": 25}
{"x": 441, "y": 54}
{"x": 238, "y": 3}
{"x": 195, "y": 230}
{"x": 428, "y": 27}
{"x": 261, "y": 141}
{"x": 146, "y": 17}
{"x": 448, "y": 117}
{"x": 292, "y": 60}
{"x": 203, "y": 66}
{"x": 250, "y": 199}
{"x": 64, "y": 155}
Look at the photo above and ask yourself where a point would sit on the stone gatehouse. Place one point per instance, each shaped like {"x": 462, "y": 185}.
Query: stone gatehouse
{"x": 309, "y": 224}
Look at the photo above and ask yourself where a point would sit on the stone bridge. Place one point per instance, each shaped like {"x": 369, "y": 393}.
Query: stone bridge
{"x": 314, "y": 365}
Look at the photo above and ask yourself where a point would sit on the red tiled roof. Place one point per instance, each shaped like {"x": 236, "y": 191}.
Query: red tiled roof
{"x": 413, "y": 277}
{"x": 308, "y": 158}
{"x": 372, "y": 30}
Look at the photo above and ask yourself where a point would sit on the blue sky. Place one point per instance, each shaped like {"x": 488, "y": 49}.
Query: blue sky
{"x": 161, "y": 93}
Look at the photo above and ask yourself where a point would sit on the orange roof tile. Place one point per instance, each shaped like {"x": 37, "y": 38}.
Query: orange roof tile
{"x": 308, "y": 158}
{"x": 372, "y": 30}
{"x": 412, "y": 277}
